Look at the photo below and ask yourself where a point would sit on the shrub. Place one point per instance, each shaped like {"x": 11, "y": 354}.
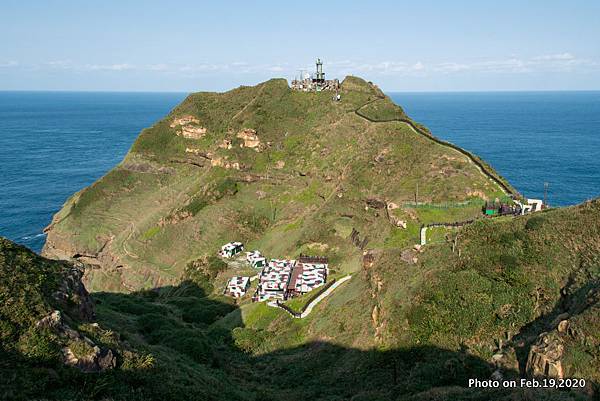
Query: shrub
{"x": 226, "y": 186}
{"x": 196, "y": 205}
{"x": 155, "y": 327}
{"x": 39, "y": 344}
{"x": 249, "y": 340}
{"x": 205, "y": 313}
{"x": 202, "y": 270}
{"x": 80, "y": 348}
{"x": 535, "y": 223}
{"x": 191, "y": 343}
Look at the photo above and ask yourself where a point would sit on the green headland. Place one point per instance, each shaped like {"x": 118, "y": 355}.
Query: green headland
{"x": 289, "y": 173}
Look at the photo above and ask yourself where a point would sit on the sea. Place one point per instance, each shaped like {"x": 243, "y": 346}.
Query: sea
{"x": 53, "y": 144}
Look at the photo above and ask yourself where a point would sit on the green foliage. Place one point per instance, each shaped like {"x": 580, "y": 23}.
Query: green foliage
{"x": 80, "y": 348}
{"x": 249, "y": 340}
{"x": 151, "y": 232}
{"x": 196, "y": 205}
{"x": 155, "y": 327}
{"x": 535, "y": 223}
{"x": 331, "y": 166}
{"x": 382, "y": 110}
{"x": 39, "y": 344}
{"x": 226, "y": 187}
{"x": 436, "y": 319}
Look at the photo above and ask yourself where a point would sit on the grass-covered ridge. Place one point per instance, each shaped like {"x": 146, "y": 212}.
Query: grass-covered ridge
{"x": 175, "y": 199}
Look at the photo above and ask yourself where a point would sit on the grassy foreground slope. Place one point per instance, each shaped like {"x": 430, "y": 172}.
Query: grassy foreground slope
{"x": 471, "y": 307}
{"x": 301, "y": 185}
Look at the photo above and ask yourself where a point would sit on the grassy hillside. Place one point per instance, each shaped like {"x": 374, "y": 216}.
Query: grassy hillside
{"x": 179, "y": 342}
{"x": 288, "y": 173}
{"x": 176, "y": 199}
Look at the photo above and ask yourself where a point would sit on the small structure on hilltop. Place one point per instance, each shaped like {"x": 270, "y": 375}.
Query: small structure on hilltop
{"x": 231, "y": 249}
{"x": 237, "y": 286}
{"x": 282, "y": 279}
{"x": 274, "y": 279}
{"x": 532, "y": 205}
{"x": 309, "y": 273}
{"x": 500, "y": 209}
{"x": 256, "y": 260}
{"x": 316, "y": 82}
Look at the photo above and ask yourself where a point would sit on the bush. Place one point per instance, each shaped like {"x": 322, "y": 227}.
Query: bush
{"x": 249, "y": 340}
{"x": 191, "y": 343}
{"x": 196, "y": 204}
{"x": 204, "y": 313}
{"x": 155, "y": 327}
{"x": 39, "y": 344}
{"x": 137, "y": 306}
{"x": 226, "y": 186}
{"x": 202, "y": 270}
{"x": 535, "y": 223}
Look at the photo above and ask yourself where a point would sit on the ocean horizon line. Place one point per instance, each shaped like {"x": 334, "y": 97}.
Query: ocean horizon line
{"x": 384, "y": 90}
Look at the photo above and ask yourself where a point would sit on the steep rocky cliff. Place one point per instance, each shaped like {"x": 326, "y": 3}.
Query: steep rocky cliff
{"x": 42, "y": 305}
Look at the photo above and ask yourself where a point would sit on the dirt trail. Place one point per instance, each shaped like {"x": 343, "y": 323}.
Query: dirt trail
{"x": 505, "y": 188}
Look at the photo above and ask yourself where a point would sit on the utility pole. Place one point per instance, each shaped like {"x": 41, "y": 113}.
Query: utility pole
{"x": 417, "y": 195}
{"x": 546, "y": 194}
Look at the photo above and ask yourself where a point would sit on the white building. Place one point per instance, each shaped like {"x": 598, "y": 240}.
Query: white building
{"x": 282, "y": 278}
{"x": 231, "y": 249}
{"x": 273, "y": 280}
{"x": 256, "y": 260}
{"x": 309, "y": 273}
{"x": 532, "y": 205}
{"x": 237, "y": 286}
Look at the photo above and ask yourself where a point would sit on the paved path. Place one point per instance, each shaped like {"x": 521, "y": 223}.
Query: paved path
{"x": 318, "y": 299}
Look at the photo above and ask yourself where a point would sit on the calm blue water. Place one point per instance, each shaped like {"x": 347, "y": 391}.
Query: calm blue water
{"x": 529, "y": 137}
{"x": 52, "y": 144}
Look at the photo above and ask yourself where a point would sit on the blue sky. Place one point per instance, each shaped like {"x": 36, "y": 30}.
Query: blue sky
{"x": 401, "y": 45}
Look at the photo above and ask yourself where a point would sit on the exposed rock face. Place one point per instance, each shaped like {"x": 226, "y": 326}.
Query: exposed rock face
{"x": 184, "y": 121}
{"x": 192, "y": 132}
{"x": 409, "y": 256}
{"x": 73, "y": 297}
{"x": 226, "y": 144}
{"x": 397, "y": 222}
{"x": 189, "y": 128}
{"x": 250, "y": 138}
{"x": 545, "y": 356}
{"x": 220, "y": 162}
{"x": 96, "y": 361}
{"x": 75, "y": 300}
{"x": 194, "y": 151}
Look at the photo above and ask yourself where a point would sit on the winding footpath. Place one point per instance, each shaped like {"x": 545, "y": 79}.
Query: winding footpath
{"x": 318, "y": 299}
{"x": 472, "y": 158}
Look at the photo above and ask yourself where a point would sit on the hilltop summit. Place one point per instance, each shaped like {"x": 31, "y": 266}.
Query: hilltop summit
{"x": 280, "y": 169}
